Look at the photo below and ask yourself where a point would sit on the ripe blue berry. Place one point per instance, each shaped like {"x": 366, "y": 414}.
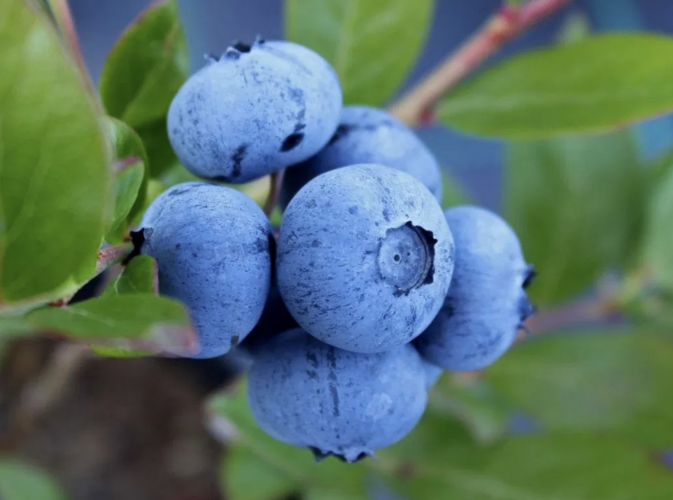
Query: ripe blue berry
{"x": 256, "y": 110}
{"x": 368, "y": 135}
{"x": 486, "y": 304}
{"x": 365, "y": 258}
{"x": 213, "y": 245}
{"x": 313, "y": 395}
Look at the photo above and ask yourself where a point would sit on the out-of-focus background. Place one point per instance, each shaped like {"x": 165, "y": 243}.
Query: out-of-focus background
{"x": 133, "y": 429}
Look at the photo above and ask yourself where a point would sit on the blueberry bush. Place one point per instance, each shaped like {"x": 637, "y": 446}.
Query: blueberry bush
{"x": 277, "y": 205}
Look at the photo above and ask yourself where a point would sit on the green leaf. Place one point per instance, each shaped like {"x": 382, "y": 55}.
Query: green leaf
{"x": 129, "y": 152}
{"x": 577, "y": 205}
{"x": 139, "y": 276}
{"x": 453, "y": 194}
{"x": 154, "y": 189}
{"x": 129, "y": 182}
{"x": 475, "y": 404}
{"x": 600, "y": 83}
{"x": 145, "y": 69}
{"x": 159, "y": 149}
{"x": 245, "y": 477}
{"x": 151, "y": 322}
{"x": 437, "y": 439}
{"x": 372, "y": 44}
{"x": 14, "y": 326}
{"x": 53, "y": 164}
{"x": 20, "y": 481}
{"x": 609, "y": 382}
{"x": 295, "y": 464}
{"x": 658, "y": 237}
{"x": 554, "y": 467}
{"x": 576, "y": 27}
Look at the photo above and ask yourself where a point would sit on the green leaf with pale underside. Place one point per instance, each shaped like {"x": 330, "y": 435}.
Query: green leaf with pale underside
{"x": 53, "y": 164}
{"x": 372, "y": 44}
{"x": 597, "y": 84}
{"x": 151, "y": 321}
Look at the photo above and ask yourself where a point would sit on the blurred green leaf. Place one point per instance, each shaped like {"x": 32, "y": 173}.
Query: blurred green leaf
{"x": 139, "y": 276}
{"x": 475, "y": 404}
{"x": 453, "y": 194}
{"x": 145, "y": 69}
{"x": 555, "y": 467}
{"x": 296, "y": 464}
{"x": 53, "y": 164}
{"x": 372, "y": 44}
{"x": 153, "y": 323}
{"x": 158, "y": 147}
{"x": 600, "y": 83}
{"x": 20, "y": 481}
{"x": 658, "y": 238}
{"x": 437, "y": 439}
{"x": 14, "y": 326}
{"x": 154, "y": 188}
{"x": 576, "y": 26}
{"x": 245, "y": 477}
{"x": 577, "y": 204}
{"x": 331, "y": 494}
{"x": 615, "y": 382}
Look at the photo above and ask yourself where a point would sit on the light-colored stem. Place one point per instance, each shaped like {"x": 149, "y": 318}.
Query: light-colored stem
{"x": 502, "y": 27}
{"x": 574, "y": 314}
{"x": 274, "y": 192}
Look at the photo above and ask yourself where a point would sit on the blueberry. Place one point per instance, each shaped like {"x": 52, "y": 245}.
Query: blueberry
{"x": 254, "y": 111}
{"x": 213, "y": 245}
{"x": 486, "y": 304}
{"x": 368, "y": 135}
{"x": 309, "y": 394}
{"x": 365, "y": 258}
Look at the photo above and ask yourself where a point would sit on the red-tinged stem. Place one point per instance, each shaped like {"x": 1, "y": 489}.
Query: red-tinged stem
{"x": 574, "y": 314}
{"x": 123, "y": 164}
{"x": 107, "y": 258}
{"x": 415, "y": 106}
{"x": 274, "y": 192}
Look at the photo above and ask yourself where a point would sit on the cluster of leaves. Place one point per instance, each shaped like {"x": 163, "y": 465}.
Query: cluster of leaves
{"x": 77, "y": 171}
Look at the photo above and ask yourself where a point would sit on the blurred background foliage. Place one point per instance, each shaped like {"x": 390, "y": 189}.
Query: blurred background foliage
{"x": 579, "y": 412}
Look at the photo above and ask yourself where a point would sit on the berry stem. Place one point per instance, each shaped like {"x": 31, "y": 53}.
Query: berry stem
{"x": 274, "y": 192}
{"x": 573, "y": 315}
{"x": 506, "y": 24}
{"x": 60, "y": 9}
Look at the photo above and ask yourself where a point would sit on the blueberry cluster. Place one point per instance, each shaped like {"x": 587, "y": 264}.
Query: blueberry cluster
{"x": 369, "y": 290}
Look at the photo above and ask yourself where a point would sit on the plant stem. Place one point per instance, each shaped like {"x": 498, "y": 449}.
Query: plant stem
{"x": 503, "y": 26}
{"x": 274, "y": 192}
{"x": 63, "y": 17}
{"x": 107, "y": 258}
{"x": 575, "y": 314}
